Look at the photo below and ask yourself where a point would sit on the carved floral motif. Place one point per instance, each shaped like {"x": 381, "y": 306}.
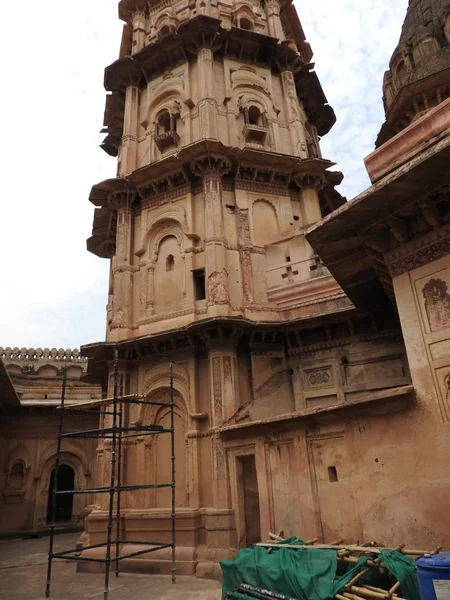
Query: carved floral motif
{"x": 319, "y": 377}
{"x": 437, "y": 304}
{"x": 218, "y": 288}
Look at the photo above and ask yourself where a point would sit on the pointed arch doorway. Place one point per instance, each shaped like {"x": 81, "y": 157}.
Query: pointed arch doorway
{"x": 64, "y": 503}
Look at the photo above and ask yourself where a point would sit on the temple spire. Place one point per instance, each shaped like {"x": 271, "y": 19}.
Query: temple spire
{"x": 419, "y": 70}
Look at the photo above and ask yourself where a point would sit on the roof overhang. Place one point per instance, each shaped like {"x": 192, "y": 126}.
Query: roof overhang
{"x": 8, "y": 395}
{"x": 338, "y": 241}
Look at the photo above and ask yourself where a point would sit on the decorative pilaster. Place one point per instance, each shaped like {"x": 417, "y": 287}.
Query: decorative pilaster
{"x": 217, "y": 285}
{"x": 151, "y": 287}
{"x": 273, "y": 19}
{"x": 139, "y": 26}
{"x": 207, "y": 106}
{"x": 296, "y": 116}
{"x": 122, "y": 271}
{"x": 128, "y": 150}
{"x": 245, "y": 256}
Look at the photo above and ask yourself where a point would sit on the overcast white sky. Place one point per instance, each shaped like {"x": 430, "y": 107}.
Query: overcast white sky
{"x": 52, "y": 291}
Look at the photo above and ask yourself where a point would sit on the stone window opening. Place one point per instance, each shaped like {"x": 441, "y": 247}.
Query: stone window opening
{"x": 332, "y": 474}
{"x": 253, "y": 116}
{"x": 165, "y": 122}
{"x": 245, "y": 24}
{"x": 166, "y": 130}
{"x": 256, "y": 126}
{"x": 170, "y": 263}
{"x": 199, "y": 284}
{"x": 164, "y": 31}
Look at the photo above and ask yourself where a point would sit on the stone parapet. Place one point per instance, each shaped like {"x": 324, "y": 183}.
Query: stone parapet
{"x": 29, "y": 361}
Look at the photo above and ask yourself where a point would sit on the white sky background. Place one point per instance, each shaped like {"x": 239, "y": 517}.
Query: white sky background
{"x": 52, "y": 291}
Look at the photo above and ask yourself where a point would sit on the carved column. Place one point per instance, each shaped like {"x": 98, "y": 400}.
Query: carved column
{"x": 215, "y": 250}
{"x": 151, "y": 287}
{"x": 245, "y": 256}
{"x": 224, "y": 403}
{"x": 128, "y": 151}
{"x": 139, "y": 25}
{"x": 273, "y": 19}
{"x": 123, "y": 269}
{"x": 207, "y": 102}
{"x": 295, "y": 115}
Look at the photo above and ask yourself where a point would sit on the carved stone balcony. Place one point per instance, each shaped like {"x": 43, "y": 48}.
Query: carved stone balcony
{"x": 166, "y": 139}
{"x": 255, "y": 134}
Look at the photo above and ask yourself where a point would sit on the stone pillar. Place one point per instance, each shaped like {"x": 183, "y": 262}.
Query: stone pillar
{"x": 123, "y": 270}
{"x": 295, "y": 115}
{"x": 139, "y": 24}
{"x": 217, "y": 294}
{"x": 207, "y": 102}
{"x": 245, "y": 256}
{"x": 310, "y": 205}
{"x": 128, "y": 150}
{"x": 273, "y": 19}
{"x": 151, "y": 287}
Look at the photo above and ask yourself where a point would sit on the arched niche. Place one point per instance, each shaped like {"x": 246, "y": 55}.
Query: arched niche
{"x": 14, "y": 369}
{"x": 168, "y": 95}
{"x": 162, "y": 452}
{"x": 47, "y": 371}
{"x": 156, "y": 387}
{"x": 264, "y": 222}
{"x": 16, "y": 478}
{"x": 169, "y": 282}
{"x": 168, "y": 218}
{"x": 74, "y": 372}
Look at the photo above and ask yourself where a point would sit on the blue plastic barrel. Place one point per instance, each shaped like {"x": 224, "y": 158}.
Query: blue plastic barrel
{"x": 434, "y": 576}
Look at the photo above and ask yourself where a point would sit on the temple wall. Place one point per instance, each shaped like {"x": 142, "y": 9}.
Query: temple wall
{"x": 28, "y": 444}
{"x": 326, "y": 440}
{"x": 375, "y": 474}
{"x": 163, "y": 282}
{"x": 28, "y": 439}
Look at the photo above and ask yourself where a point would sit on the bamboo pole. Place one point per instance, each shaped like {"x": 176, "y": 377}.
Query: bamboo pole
{"x": 355, "y": 548}
{"x": 370, "y": 593}
{"x": 356, "y": 577}
{"x": 394, "y": 588}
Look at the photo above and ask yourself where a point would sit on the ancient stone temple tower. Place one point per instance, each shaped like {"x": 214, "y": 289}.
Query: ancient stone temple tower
{"x": 419, "y": 70}
{"x": 215, "y": 114}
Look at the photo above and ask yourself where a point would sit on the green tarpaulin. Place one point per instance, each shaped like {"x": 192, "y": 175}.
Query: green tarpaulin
{"x": 310, "y": 573}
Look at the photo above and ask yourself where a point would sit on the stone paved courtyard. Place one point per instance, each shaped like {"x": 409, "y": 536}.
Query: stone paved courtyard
{"x": 23, "y": 568}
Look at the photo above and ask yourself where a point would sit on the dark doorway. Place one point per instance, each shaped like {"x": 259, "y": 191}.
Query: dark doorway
{"x": 249, "y": 499}
{"x": 64, "y": 503}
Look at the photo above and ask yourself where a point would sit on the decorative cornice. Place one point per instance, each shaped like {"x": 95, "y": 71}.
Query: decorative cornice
{"x": 419, "y": 252}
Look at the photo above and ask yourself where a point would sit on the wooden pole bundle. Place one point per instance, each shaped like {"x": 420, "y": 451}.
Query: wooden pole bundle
{"x": 345, "y": 553}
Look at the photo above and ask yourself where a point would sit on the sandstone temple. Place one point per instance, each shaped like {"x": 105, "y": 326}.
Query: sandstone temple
{"x": 310, "y": 336}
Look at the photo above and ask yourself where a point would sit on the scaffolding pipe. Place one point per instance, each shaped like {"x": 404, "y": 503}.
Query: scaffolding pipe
{"x": 55, "y": 485}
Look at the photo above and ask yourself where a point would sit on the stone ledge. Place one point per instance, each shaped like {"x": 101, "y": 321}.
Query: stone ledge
{"x": 391, "y": 394}
{"x": 409, "y": 142}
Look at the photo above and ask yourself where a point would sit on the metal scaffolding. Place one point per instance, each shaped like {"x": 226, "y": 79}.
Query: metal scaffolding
{"x": 118, "y": 431}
